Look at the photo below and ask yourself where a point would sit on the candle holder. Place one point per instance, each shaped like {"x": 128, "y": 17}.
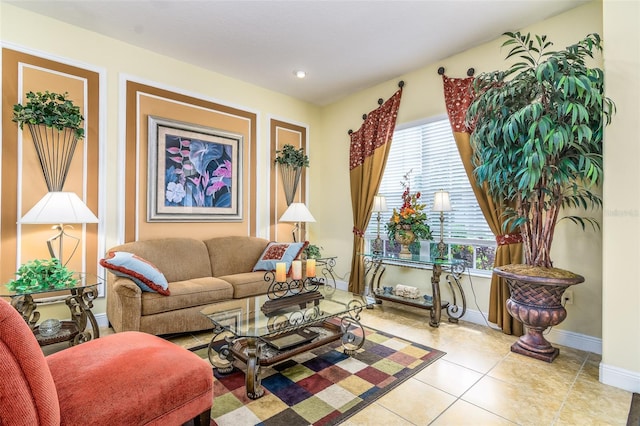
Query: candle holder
{"x": 284, "y": 294}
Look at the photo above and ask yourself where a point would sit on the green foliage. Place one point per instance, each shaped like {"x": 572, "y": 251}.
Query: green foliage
{"x": 49, "y": 109}
{"x": 42, "y": 274}
{"x": 312, "y": 251}
{"x": 538, "y": 136}
{"x": 291, "y": 156}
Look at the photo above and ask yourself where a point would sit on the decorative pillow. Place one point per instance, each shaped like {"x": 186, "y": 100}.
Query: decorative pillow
{"x": 141, "y": 271}
{"x": 279, "y": 252}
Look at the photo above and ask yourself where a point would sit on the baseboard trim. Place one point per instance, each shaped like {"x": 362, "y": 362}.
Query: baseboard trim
{"x": 102, "y": 320}
{"x": 555, "y": 335}
{"x": 620, "y": 378}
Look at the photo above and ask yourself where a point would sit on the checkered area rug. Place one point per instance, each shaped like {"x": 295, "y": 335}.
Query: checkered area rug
{"x": 321, "y": 387}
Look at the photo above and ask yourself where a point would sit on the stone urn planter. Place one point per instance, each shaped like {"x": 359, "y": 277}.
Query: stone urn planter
{"x": 536, "y": 300}
{"x": 405, "y": 237}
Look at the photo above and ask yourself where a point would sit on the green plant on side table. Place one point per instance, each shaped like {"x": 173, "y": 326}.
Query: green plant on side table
{"x": 42, "y": 274}
{"x": 51, "y": 110}
{"x": 312, "y": 252}
{"x": 537, "y": 147}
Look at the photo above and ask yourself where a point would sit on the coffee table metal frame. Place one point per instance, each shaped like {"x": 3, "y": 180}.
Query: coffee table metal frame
{"x": 241, "y": 330}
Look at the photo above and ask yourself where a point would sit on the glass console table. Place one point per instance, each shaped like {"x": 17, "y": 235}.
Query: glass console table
{"x": 375, "y": 266}
{"x": 79, "y": 300}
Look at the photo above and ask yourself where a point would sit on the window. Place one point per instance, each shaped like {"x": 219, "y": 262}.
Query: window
{"x": 429, "y": 151}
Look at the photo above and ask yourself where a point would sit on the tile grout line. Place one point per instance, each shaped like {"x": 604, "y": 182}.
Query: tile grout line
{"x": 566, "y": 397}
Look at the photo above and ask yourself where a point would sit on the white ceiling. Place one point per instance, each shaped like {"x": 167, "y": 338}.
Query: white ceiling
{"x": 344, "y": 46}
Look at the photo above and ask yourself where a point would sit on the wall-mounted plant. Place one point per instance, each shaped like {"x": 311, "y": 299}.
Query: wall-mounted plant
{"x": 292, "y": 157}
{"x": 291, "y": 161}
{"x": 55, "y": 124}
{"x": 42, "y": 274}
{"x": 51, "y": 110}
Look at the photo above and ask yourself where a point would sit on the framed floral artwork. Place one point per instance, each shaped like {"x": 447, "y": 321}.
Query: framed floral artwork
{"x": 195, "y": 173}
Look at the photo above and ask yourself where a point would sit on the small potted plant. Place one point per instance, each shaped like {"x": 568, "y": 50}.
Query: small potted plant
{"x": 42, "y": 274}
{"x": 55, "y": 124}
{"x": 312, "y": 251}
{"x": 291, "y": 162}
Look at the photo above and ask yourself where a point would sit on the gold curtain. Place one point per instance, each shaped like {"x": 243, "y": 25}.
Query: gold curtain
{"x": 367, "y": 158}
{"x": 458, "y": 96}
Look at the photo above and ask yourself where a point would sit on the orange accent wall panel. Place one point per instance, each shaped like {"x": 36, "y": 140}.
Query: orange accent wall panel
{"x": 23, "y": 184}
{"x": 187, "y": 113}
{"x": 282, "y": 134}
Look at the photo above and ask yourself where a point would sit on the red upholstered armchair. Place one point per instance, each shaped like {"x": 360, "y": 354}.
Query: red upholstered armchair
{"x": 128, "y": 378}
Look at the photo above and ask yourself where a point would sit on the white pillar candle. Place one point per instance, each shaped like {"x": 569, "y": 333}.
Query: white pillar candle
{"x": 281, "y": 272}
{"x": 311, "y": 268}
{"x": 296, "y": 270}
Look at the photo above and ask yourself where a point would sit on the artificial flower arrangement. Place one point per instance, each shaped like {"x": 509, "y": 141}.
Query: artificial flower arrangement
{"x": 410, "y": 217}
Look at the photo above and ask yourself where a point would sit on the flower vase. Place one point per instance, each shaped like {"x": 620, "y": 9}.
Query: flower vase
{"x": 405, "y": 237}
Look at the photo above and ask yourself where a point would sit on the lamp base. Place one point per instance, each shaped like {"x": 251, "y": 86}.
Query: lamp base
{"x": 377, "y": 246}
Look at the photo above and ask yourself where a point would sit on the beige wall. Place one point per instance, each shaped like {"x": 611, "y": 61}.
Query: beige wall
{"x": 621, "y": 240}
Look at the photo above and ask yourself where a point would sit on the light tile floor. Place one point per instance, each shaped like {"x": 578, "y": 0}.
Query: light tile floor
{"x": 481, "y": 382}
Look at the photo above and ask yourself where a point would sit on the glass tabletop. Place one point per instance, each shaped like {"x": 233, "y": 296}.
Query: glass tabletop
{"x": 417, "y": 259}
{"x": 245, "y": 317}
{"x": 82, "y": 280}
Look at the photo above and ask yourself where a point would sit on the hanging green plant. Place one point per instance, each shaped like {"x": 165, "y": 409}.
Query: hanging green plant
{"x": 42, "y": 274}
{"x": 292, "y": 157}
{"x": 49, "y": 109}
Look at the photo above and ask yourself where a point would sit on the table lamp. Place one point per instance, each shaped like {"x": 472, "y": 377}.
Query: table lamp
{"x": 441, "y": 203}
{"x": 379, "y": 206}
{"x": 297, "y": 212}
{"x": 60, "y": 208}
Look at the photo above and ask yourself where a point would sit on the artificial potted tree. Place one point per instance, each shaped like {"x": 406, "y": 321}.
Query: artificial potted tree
{"x": 537, "y": 142}
{"x": 55, "y": 124}
{"x": 291, "y": 162}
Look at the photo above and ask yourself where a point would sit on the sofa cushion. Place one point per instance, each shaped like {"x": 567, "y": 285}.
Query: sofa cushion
{"x": 278, "y": 252}
{"x": 186, "y": 294}
{"x": 141, "y": 271}
{"x": 177, "y": 258}
{"x": 234, "y": 255}
{"x": 247, "y": 284}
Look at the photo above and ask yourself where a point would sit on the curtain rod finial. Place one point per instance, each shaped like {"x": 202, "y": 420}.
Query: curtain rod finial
{"x": 401, "y": 84}
{"x": 441, "y": 70}
{"x": 470, "y": 72}
{"x": 380, "y": 101}
{"x": 349, "y": 132}
{"x": 364, "y": 116}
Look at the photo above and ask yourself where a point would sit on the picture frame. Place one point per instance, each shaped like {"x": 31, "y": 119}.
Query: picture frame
{"x": 194, "y": 172}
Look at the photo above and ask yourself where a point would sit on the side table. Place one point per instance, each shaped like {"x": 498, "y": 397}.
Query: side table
{"x": 375, "y": 266}
{"x": 325, "y": 266}
{"x": 79, "y": 301}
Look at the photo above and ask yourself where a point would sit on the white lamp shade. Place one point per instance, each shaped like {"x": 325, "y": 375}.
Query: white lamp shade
{"x": 297, "y": 212}
{"x": 59, "y": 207}
{"x": 441, "y": 202}
{"x": 379, "y": 204}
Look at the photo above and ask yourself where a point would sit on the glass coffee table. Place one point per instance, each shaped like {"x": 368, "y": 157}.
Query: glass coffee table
{"x": 251, "y": 333}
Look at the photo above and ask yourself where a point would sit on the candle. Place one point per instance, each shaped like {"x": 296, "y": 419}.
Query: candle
{"x": 311, "y": 268}
{"x": 296, "y": 270}
{"x": 281, "y": 272}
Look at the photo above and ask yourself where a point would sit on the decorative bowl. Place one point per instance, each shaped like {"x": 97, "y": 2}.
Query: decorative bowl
{"x": 50, "y": 327}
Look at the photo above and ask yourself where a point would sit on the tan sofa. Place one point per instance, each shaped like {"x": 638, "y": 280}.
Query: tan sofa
{"x": 199, "y": 273}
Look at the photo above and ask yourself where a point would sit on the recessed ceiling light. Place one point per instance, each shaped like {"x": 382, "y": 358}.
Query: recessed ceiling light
{"x": 300, "y": 74}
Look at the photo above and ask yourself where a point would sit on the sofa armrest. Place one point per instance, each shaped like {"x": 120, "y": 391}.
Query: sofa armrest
{"x": 124, "y": 304}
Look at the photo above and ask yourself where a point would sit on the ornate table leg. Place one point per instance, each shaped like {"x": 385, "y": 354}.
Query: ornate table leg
{"x": 436, "y": 310}
{"x": 455, "y": 311}
{"x": 80, "y": 304}
{"x": 27, "y": 308}
{"x": 218, "y": 351}
{"x": 352, "y": 341}
{"x": 252, "y": 375}
{"x": 373, "y": 271}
